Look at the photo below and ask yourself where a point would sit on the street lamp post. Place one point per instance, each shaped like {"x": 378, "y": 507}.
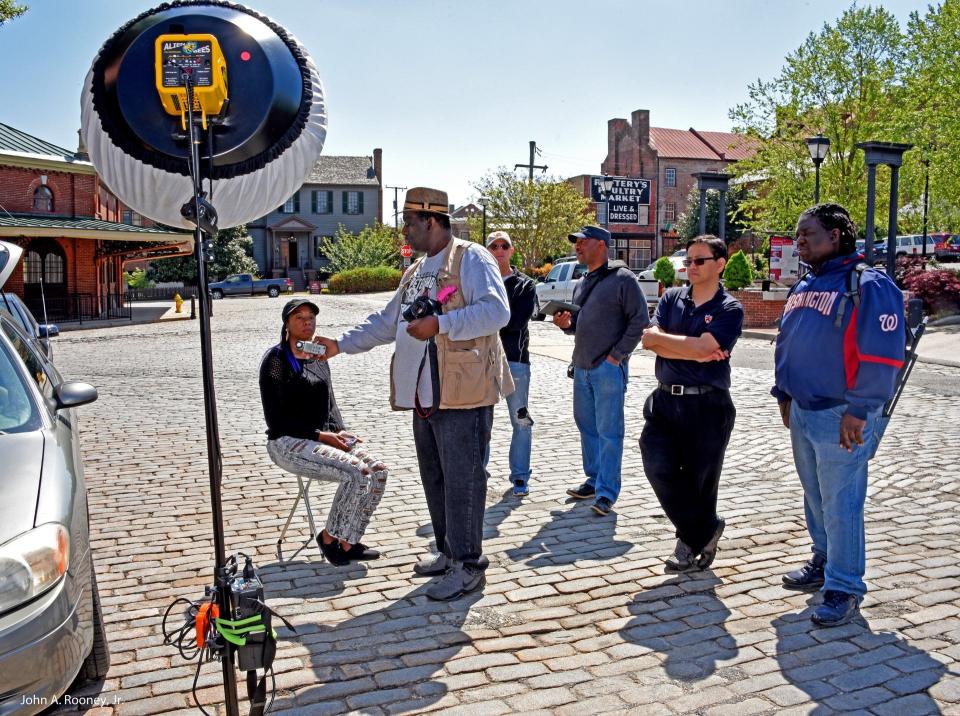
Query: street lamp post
{"x": 926, "y": 195}
{"x": 818, "y": 147}
{"x": 606, "y": 191}
{"x": 483, "y": 201}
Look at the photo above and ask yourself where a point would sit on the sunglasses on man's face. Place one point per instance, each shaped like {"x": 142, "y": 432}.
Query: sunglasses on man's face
{"x": 699, "y": 262}
{"x": 498, "y": 247}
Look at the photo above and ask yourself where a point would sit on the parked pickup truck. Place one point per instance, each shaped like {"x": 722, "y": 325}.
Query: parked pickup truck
{"x": 566, "y": 274}
{"x": 244, "y": 284}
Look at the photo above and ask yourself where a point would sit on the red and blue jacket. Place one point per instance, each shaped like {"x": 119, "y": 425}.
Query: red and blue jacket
{"x": 820, "y": 364}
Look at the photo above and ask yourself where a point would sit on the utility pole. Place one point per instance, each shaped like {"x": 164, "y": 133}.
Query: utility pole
{"x": 531, "y": 166}
{"x": 396, "y": 211}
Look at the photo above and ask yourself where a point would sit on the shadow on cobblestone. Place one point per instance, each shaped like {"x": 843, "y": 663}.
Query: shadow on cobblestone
{"x": 497, "y": 513}
{"x": 572, "y": 534}
{"x": 853, "y": 668}
{"x": 388, "y": 655}
{"x": 685, "y": 620}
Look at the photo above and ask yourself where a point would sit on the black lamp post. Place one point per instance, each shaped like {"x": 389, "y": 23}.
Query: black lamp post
{"x": 926, "y": 195}
{"x": 606, "y": 190}
{"x": 483, "y": 200}
{"x": 818, "y": 147}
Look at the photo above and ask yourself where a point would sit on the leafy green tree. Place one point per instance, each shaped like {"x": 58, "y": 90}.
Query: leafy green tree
{"x": 137, "y": 279}
{"x": 663, "y": 271}
{"x": 9, "y": 10}
{"x": 737, "y": 273}
{"x": 931, "y": 85}
{"x": 375, "y": 245}
{"x": 688, "y": 225}
{"x": 538, "y": 215}
{"x": 843, "y": 81}
{"x": 232, "y": 253}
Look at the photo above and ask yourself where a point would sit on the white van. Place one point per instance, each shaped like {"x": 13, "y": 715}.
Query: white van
{"x": 912, "y": 245}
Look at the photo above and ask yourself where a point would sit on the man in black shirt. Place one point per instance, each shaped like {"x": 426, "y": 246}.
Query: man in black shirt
{"x": 515, "y": 337}
{"x": 689, "y": 416}
{"x": 306, "y": 435}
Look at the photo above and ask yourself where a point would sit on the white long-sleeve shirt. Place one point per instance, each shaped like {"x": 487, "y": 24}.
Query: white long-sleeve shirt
{"x": 485, "y": 312}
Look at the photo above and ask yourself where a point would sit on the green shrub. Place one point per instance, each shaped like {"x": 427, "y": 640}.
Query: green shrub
{"x": 375, "y": 245}
{"x": 663, "y": 272}
{"x": 365, "y": 280}
{"x": 737, "y": 274}
{"x": 137, "y": 280}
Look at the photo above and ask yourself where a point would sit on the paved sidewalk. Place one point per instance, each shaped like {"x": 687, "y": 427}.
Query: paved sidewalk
{"x": 577, "y": 616}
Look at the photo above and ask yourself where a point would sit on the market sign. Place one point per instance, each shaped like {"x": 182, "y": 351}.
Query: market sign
{"x": 629, "y": 199}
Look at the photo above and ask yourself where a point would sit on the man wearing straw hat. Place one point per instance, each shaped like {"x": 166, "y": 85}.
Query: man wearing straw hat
{"x": 450, "y": 369}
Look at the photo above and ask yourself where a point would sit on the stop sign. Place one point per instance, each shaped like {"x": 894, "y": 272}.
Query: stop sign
{"x": 406, "y": 251}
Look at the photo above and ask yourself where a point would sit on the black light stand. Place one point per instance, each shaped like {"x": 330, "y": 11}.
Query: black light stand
{"x": 204, "y": 213}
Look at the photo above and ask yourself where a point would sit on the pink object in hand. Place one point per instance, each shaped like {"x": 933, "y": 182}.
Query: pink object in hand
{"x": 445, "y": 293}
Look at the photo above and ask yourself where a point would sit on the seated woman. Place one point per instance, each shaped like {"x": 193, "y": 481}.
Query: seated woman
{"x": 306, "y": 435}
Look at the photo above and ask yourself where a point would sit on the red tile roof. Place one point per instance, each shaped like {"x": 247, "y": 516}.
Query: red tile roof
{"x": 730, "y": 145}
{"x": 680, "y": 144}
{"x": 692, "y": 144}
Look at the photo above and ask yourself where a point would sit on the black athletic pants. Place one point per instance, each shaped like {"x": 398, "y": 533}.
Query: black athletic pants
{"x": 683, "y": 442}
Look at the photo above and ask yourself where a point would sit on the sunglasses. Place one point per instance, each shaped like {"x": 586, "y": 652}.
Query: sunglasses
{"x": 498, "y": 247}
{"x": 699, "y": 262}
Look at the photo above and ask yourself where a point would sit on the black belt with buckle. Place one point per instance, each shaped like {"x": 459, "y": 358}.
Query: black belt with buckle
{"x": 686, "y": 389}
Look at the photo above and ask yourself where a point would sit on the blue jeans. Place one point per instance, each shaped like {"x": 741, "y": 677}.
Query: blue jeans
{"x": 834, "y": 491}
{"x": 598, "y": 396}
{"x": 521, "y": 442}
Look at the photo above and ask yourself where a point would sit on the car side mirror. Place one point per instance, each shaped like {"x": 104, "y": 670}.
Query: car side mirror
{"x": 48, "y": 330}
{"x": 72, "y": 394}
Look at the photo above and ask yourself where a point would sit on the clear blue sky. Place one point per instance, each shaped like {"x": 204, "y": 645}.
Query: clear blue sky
{"x": 451, "y": 90}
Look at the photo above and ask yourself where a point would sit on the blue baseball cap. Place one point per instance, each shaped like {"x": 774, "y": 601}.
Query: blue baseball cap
{"x": 590, "y": 232}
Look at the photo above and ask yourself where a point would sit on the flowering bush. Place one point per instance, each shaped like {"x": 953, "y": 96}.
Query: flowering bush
{"x": 907, "y": 266}
{"x": 939, "y": 290}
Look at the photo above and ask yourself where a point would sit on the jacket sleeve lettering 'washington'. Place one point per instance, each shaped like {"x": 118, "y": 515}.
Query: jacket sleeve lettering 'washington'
{"x": 820, "y": 364}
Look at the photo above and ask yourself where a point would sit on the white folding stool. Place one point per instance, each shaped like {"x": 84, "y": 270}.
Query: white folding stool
{"x": 304, "y": 492}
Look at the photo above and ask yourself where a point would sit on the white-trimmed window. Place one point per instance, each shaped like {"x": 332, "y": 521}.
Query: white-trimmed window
{"x": 669, "y": 211}
{"x": 353, "y": 202}
{"x": 670, "y": 176}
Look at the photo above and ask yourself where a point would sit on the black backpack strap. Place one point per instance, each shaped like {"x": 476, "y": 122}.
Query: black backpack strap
{"x": 852, "y": 293}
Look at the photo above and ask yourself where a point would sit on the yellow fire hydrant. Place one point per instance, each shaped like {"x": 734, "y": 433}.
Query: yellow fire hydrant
{"x": 179, "y": 302}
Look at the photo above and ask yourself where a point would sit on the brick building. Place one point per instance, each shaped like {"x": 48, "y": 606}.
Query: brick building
{"x": 668, "y": 158}
{"x": 76, "y": 235}
{"x": 341, "y": 190}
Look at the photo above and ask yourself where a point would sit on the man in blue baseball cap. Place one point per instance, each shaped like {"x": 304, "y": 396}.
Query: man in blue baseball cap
{"x": 606, "y": 329}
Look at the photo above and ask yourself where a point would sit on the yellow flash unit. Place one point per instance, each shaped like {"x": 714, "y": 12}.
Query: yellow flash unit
{"x": 199, "y": 58}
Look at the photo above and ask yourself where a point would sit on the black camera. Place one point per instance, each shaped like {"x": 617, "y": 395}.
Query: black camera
{"x": 422, "y": 307}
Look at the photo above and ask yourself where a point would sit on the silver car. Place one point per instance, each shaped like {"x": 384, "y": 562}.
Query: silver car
{"x": 51, "y": 624}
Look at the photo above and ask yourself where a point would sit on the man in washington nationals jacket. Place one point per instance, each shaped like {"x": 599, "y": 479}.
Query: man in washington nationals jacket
{"x": 837, "y": 359}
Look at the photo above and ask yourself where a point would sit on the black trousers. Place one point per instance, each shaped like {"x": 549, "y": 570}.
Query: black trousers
{"x": 450, "y": 447}
{"x": 682, "y": 444}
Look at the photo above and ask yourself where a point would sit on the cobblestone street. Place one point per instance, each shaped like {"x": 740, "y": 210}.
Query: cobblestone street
{"x": 577, "y": 616}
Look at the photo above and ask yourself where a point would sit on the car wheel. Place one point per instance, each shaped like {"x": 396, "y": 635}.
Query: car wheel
{"x": 273, "y": 292}
{"x": 98, "y": 660}
{"x": 217, "y": 293}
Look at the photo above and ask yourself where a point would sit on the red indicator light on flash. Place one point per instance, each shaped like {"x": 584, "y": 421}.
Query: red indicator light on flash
{"x": 244, "y": 55}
